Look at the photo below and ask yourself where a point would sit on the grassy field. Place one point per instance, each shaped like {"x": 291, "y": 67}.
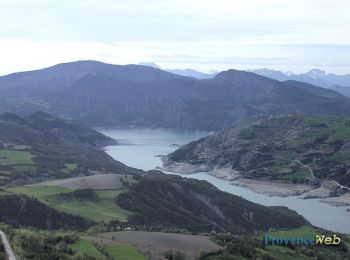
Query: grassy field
{"x": 11, "y": 157}
{"x": 299, "y": 232}
{"x": 102, "y": 207}
{"x": 25, "y": 168}
{"x": 125, "y": 252}
{"x": 117, "y": 251}
{"x": 40, "y": 192}
{"x": 88, "y": 248}
{"x": 4, "y": 192}
{"x": 284, "y": 253}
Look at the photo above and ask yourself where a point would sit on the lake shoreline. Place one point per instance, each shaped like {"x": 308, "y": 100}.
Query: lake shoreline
{"x": 142, "y": 149}
{"x": 266, "y": 187}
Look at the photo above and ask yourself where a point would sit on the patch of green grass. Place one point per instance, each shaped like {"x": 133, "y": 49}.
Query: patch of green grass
{"x": 298, "y": 232}
{"x": 284, "y": 253}
{"x": 125, "y": 252}
{"x": 88, "y": 248}
{"x": 41, "y": 192}
{"x": 299, "y": 176}
{"x": 42, "y": 233}
{"x": 25, "y": 168}
{"x": 285, "y": 155}
{"x": 11, "y": 157}
{"x": 103, "y": 208}
{"x": 341, "y": 134}
{"x": 339, "y": 156}
{"x": 4, "y": 192}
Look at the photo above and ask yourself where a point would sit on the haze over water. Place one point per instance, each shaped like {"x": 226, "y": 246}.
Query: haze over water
{"x": 140, "y": 148}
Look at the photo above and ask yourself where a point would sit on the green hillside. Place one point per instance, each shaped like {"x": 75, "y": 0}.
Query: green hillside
{"x": 293, "y": 148}
{"x": 41, "y": 147}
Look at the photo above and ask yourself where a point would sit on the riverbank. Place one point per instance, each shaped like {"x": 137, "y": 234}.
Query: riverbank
{"x": 326, "y": 191}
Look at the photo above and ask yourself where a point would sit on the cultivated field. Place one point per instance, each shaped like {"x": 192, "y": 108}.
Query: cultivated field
{"x": 10, "y": 157}
{"x": 101, "y": 207}
{"x": 156, "y": 244}
{"x": 95, "y": 182}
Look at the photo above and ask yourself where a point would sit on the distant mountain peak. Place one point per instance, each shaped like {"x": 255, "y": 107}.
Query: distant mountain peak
{"x": 192, "y": 73}
{"x": 233, "y": 76}
{"x": 316, "y": 73}
{"x": 187, "y": 72}
{"x": 149, "y": 64}
{"x": 316, "y": 77}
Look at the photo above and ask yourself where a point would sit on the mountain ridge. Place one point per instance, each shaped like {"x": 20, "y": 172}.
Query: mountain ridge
{"x": 169, "y": 101}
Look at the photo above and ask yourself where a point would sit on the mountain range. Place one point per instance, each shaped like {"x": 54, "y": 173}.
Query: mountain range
{"x": 135, "y": 95}
{"x": 192, "y": 73}
{"x": 184, "y": 72}
{"x": 316, "y": 77}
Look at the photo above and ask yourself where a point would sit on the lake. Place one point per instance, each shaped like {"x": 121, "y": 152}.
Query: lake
{"x": 140, "y": 148}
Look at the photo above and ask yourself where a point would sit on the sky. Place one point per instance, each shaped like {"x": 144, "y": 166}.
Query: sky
{"x": 288, "y": 35}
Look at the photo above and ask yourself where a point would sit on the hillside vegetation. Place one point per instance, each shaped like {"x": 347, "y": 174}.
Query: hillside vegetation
{"x": 293, "y": 148}
{"x": 93, "y": 205}
{"x": 24, "y": 211}
{"x": 42, "y": 147}
{"x": 32, "y": 244}
{"x": 170, "y": 201}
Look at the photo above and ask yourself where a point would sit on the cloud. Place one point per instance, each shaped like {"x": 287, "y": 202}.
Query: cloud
{"x": 292, "y": 34}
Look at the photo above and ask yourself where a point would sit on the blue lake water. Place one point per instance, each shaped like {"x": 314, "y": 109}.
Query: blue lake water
{"x": 140, "y": 148}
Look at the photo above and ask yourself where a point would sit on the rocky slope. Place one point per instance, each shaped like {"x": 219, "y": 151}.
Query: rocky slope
{"x": 162, "y": 200}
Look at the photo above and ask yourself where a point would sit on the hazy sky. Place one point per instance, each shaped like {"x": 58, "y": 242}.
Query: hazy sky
{"x": 294, "y": 35}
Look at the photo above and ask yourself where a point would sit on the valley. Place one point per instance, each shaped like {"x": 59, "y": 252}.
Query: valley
{"x": 174, "y": 130}
{"x": 110, "y": 196}
{"x": 59, "y": 175}
{"x": 148, "y": 144}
